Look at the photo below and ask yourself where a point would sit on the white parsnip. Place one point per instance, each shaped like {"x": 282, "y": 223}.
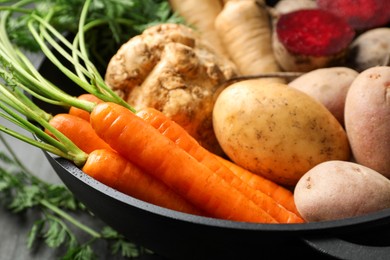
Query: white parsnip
{"x": 245, "y": 30}
{"x": 201, "y": 15}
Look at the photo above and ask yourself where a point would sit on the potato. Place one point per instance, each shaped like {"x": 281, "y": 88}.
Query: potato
{"x": 276, "y": 131}
{"x": 367, "y": 119}
{"x": 339, "y": 189}
{"x": 370, "y": 49}
{"x": 328, "y": 86}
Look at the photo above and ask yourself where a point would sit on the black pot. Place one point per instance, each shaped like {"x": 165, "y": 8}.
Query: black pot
{"x": 177, "y": 235}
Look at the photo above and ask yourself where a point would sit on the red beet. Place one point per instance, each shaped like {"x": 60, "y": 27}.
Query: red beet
{"x": 360, "y": 14}
{"x": 314, "y": 32}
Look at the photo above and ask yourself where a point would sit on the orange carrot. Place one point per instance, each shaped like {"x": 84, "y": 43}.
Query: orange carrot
{"x": 79, "y": 131}
{"x": 280, "y": 194}
{"x": 80, "y": 112}
{"x": 115, "y": 171}
{"x": 178, "y": 135}
{"x": 157, "y": 155}
{"x": 108, "y": 167}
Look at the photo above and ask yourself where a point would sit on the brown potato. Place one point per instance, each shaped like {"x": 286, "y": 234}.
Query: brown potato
{"x": 276, "y": 131}
{"x": 328, "y": 86}
{"x": 367, "y": 118}
{"x": 340, "y": 189}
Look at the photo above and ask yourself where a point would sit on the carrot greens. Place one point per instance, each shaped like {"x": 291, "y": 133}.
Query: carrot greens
{"x": 86, "y": 34}
{"x": 118, "y": 20}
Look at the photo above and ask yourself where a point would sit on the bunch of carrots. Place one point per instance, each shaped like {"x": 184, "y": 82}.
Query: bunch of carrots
{"x": 159, "y": 162}
{"x": 141, "y": 153}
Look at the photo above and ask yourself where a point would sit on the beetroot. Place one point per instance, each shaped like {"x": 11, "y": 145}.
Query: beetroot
{"x": 313, "y": 32}
{"x": 360, "y": 14}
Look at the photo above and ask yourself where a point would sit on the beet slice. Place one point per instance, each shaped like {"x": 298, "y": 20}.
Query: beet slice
{"x": 314, "y": 32}
{"x": 309, "y": 39}
{"x": 360, "y": 14}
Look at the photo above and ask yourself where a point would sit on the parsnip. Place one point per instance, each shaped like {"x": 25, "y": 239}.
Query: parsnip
{"x": 286, "y": 6}
{"x": 200, "y": 15}
{"x": 245, "y": 30}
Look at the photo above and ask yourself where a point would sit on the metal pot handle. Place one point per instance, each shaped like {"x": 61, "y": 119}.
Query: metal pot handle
{"x": 343, "y": 249}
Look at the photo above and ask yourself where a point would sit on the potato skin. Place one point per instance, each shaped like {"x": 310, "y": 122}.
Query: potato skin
{"x": 276, "y": 131}
{"x": 367, "y": 119}
{"x": 328, "y": 86}
{"x": 369, "y": 49}
{"x": 340, "y": 189}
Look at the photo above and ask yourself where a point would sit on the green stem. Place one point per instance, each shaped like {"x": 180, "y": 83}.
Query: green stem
{"x": 83, "y": 17}
{"x": 49, "y": 54}
{"x": 60, "y": 141}
{"x": 3, "y": 22}
{"x": 98, "y": 88}
{"x": 13, "y": 155}
{"x": 44, "y": 146}
{"x": 25, "y": 170}
{"x": 69, "y": 218}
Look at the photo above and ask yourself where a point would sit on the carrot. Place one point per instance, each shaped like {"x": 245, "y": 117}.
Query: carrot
{"x": 79, "y": 131}
{"x": 108, "y": 167}
{"x": 80, "y": 112}
{"x": 115, "y": 171}
{"x": 245, "y": 30}
{"x": 178, "y": 135}
{"x": 280, "y": 194}
{"x": 157, "y": 155}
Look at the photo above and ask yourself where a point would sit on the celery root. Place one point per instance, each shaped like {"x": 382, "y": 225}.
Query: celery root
{"x": 169, "y": 68}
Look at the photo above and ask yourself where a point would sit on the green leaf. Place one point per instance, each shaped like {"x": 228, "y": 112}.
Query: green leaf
{"x": 34, "y": 233}
{"x": 109, "y": 233}
{"x": 125, "y": 248}
{"x": 119, "y": 244}
{"x": 59, "y": 195}
{"x": 84, "y": 252}
{"x": 26, "y": 197}
{"x": 56, "y": 233}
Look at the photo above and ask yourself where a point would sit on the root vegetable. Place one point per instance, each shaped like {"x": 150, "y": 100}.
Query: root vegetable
{"x": 367, "y": 119}
{"x": 276, "y": 131}
{"x": 80, "y": 112}
{"x": 360, "y": 14}
{"x": 179, "y": 136}
{"x": 201, "y": 15}
{"x": 329, "y": 86}
{"x": 169, "y": 68}
{"x": 143, "y": 145}
{"x": 310, "y": 39}
{"x": 369, "y": 49}
{"x": 126, "y": 177}
{"x": 287, "y": 6}
{"x": 244, "y": 28}
{"x": 339, "y": 189}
